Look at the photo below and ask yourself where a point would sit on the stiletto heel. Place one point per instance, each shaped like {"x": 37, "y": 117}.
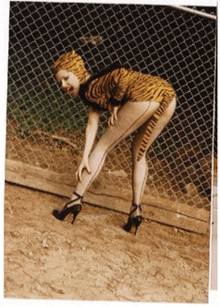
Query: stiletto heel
{"x": 74, "y": 209}
{"x": 133, "y": 221}
{"x": 137, "y": 221}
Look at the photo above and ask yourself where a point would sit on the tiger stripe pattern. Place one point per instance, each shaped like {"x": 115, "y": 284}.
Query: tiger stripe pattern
{"x": 72, "y": 62}
{"x": 120, "y": 85}
{"x": 116, "y": 85}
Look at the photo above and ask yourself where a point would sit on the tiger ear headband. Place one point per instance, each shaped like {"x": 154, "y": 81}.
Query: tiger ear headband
{"x": 72, "y": 62}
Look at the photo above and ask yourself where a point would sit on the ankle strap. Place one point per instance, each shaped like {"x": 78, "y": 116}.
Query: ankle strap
{"x": 74, "y": 200}
{"x": 79, "y": 196}
{"x": 136, "y": 207}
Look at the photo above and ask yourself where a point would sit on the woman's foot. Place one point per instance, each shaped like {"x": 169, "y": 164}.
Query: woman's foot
{"x": 134, "y": 218}
{"x": 70, "y": 208}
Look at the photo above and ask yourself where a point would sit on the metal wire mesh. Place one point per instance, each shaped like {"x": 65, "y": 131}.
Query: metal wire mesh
{"x": 45, "y": 127}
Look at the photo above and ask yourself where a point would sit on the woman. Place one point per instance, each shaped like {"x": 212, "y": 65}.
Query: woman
{"x": 136, "y": 101}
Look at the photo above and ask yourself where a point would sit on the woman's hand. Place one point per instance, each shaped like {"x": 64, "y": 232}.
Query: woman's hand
{"x": 83, "y": 165}
{"x": 113, "y": 117}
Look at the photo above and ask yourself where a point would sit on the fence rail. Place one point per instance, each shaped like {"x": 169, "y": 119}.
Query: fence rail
{"x": 193, "y": 11}
{"x": 45, "y": 127}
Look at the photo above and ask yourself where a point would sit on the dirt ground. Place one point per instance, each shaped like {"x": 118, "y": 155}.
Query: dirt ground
{"x": 95, "y": 259}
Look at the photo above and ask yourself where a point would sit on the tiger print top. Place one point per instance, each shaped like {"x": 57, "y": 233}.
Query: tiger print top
{"x": 114, "y": 87}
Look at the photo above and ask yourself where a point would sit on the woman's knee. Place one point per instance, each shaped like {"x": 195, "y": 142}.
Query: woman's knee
{"x": 103, "y": 146}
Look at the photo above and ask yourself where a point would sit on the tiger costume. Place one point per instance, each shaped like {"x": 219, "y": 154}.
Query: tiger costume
{"x": 141, "y": 100}
{"x": 114, "y": 87}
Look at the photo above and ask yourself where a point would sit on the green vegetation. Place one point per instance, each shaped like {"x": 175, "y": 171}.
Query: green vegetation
{"x": 36, "y": 102}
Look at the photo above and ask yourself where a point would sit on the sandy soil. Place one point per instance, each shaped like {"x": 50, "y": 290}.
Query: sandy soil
{"x": 95, "y": 259}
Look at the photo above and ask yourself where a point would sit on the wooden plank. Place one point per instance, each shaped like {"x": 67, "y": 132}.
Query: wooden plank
{"x": 48, "y": 180}
{"x": 35, "y": 177}
{"x": 166, "y": 212}
{"x": 153, "y": 214}
{"x": 165, "y": 204}
{"x": 51, "y": 181}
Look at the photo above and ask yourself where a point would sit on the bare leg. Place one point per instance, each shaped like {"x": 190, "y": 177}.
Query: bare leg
{"x": 140, "y": 168}
{"x": 131, "y": 116}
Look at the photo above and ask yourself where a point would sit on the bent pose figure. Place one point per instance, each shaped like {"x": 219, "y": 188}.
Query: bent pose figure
{"x": 136, "y": 101}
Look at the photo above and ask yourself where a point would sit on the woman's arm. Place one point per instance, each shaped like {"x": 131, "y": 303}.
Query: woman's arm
{"x": 91, "y": 130}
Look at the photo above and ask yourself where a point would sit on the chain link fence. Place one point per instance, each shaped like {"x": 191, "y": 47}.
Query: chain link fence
{"x": 45, "y": 126}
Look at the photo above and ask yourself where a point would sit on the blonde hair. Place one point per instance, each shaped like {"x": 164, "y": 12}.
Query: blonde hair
{"x": 72, "y": 62}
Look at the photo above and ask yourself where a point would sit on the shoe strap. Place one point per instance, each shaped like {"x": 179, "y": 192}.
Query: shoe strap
{"x": 74, "y": 200}
{"x": 79, "y": 196}
{"x": 136, "y": 207}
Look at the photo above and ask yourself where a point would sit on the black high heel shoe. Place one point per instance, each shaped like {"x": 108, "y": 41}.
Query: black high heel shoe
{"x": 133, "y": 221}
{"x": 74, "y": 209}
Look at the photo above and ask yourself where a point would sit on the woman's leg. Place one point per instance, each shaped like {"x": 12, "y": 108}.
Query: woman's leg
{"x": 130, "y": 117}
{"x": 140, "y": 168}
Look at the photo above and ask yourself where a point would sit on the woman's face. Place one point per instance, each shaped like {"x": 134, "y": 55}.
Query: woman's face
{"x": 68, "y": 81}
